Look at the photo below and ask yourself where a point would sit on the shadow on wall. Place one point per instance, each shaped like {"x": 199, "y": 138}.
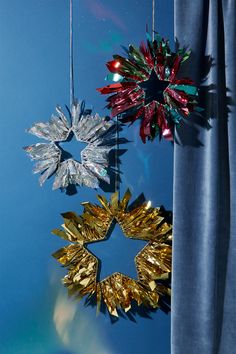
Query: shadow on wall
{"x": 135, "y": 311}
{"x": 214, "y": 98}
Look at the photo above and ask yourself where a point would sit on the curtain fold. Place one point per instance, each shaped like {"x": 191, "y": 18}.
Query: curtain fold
{"x": 204, "y": 259}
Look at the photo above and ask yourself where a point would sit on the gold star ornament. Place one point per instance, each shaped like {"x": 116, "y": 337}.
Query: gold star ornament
{"x": 153, "y": 262}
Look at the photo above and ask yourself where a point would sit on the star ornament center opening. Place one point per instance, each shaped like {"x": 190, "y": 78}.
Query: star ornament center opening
{"x": 116, "y": 252}
{"x": 154, "y": 88}
{"x": 153, "y": 262}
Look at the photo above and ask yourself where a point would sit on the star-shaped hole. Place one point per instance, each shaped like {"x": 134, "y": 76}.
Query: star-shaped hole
{"x": 71, "y": 148}
{"x": 154, "y": 88}
{"x": 116, "y": 253}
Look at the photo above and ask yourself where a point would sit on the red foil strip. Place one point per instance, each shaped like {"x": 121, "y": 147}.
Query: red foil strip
{"x": 175, "y": 68}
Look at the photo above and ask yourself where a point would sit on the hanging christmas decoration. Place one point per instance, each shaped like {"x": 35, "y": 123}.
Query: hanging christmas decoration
{"x": 153, "y": 263}
{"x": 147, "y": 88}
{"x": 99, "y": 135}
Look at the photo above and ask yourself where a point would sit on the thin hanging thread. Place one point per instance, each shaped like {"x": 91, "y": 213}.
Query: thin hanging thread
{"x": 153, "y": 18}
{"x": 117, "y": 167}
{"x": 71, "y": 57}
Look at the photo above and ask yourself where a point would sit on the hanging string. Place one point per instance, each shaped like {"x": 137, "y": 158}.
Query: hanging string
{"x": 153, "y": 18}
{"x": 117, "y": 167}
{"x": 72, "y": 98}
{"x": 71, "y": 56}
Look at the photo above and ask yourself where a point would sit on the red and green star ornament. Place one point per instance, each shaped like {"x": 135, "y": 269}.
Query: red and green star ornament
{"x": 146, "y": 87}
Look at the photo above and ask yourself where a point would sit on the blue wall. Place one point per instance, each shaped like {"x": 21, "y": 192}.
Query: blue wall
{"x": 36, "y": 317}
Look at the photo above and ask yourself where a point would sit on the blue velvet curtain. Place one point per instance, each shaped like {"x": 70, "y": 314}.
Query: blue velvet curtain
{"x": 204, "y": 260}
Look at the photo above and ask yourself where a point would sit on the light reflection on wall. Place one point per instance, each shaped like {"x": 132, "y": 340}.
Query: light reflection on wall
{"x": 103, "y": 12}
{"x": 64, "y": 313}
{"x": 105, "y": 43}
{"x": 76, "y": 330}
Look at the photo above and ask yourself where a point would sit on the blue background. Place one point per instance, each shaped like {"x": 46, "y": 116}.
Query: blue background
{"x": 35, "y": 314}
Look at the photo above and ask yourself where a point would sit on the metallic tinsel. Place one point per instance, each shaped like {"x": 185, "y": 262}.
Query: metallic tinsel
{"x": 147, "y": 88}
{"x": 99, "y": 135}
{"x": 153, "y": 262}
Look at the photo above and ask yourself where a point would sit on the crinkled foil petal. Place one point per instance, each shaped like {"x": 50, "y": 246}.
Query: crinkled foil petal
{"x": 73, "y": 172}
{"x": 57, "y": 129}
{"x": 82, "y": 269}
{"x": 48, "y": 157}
